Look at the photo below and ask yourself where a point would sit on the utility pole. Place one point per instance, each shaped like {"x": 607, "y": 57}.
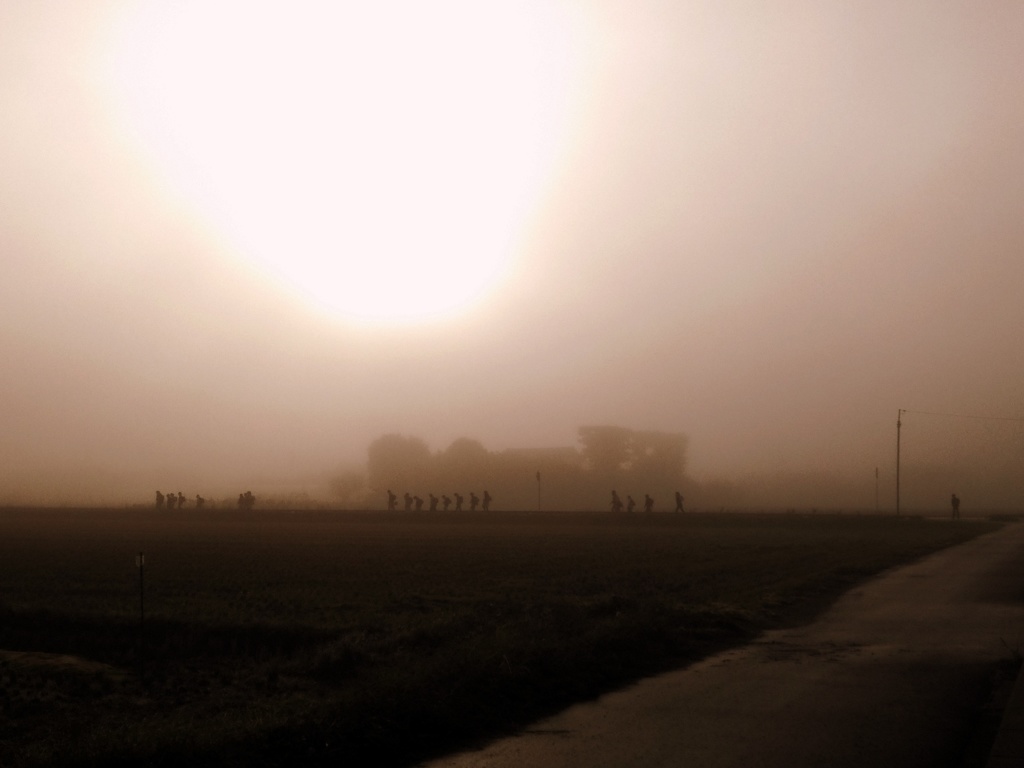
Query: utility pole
{"x": 899, "y": 423}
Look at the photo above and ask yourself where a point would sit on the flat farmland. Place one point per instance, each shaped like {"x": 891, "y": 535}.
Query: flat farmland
{"x": 274, "y": 637}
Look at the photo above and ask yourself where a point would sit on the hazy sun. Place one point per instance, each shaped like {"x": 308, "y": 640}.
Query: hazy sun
{"x": 380, "y": 156}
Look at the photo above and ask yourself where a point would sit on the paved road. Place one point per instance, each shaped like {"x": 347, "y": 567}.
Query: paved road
{"x": 889, "y": 676}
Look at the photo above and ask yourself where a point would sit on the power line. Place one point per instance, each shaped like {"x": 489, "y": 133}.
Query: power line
{"x": 967, "y": 416}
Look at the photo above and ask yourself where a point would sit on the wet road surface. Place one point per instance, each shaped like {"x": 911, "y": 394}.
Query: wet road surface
{"x": 891, "y": 675}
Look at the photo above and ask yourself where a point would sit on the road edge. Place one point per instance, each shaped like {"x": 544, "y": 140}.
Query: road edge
{"x": 1008, "y": 748}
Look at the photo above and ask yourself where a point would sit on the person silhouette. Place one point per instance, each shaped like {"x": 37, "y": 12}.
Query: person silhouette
{"x": 648, "y": 503}
{"x": 473, "y": 502}
{"x": 630, "y": 505}
{"x": 458, "y": 502}
{"x": 392, "y": 501}
{"x": 446, "y": 502}
{"x": 159, "y": 500}
{"x": 679, "y": 502}
{"x": 433, "y": 503}
{"x": 171, "y": 500}
{"x": 408, "y": 502}
{"x": 487, "y": 502}
{"x": 616, "y": 502}
{"x": 955, "y": 501}
{"x": 200, "y": 501}
{"x": 419, "y": 503}
{"x": 181, "y": 500}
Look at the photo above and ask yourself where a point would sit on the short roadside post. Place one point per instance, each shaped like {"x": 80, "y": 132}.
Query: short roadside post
{"x": 140, "y": 562}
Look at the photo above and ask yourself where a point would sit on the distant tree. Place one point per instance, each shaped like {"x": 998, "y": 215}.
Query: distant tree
{"x": 464, "y": 462}
{"x": 606, "y": 449}
{"x": 658, "y": 458}
{"x": 396, "y": 460}
{"x": 465, "y": 451}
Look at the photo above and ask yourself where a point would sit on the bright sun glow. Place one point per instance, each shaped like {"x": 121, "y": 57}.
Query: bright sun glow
{"x": 381, "y": 156}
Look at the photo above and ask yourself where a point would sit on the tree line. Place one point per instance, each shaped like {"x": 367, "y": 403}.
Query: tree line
{"x": 582, "y": 476}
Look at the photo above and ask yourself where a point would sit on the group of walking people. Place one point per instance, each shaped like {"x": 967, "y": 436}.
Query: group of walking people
{"x": 179, "y": 501}
{"x": 170, "y": 501}
{"x": 415, "y": 502}
{"x": 630, "y": 504}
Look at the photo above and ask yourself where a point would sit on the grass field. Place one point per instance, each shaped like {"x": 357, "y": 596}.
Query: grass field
{"x": 318, "y": 637}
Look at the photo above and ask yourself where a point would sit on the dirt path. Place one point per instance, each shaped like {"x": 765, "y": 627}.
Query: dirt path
{"x": 890, "y": 676}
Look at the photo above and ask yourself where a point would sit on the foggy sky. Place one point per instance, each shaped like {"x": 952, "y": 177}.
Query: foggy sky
{"x": 766, "y": 228}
